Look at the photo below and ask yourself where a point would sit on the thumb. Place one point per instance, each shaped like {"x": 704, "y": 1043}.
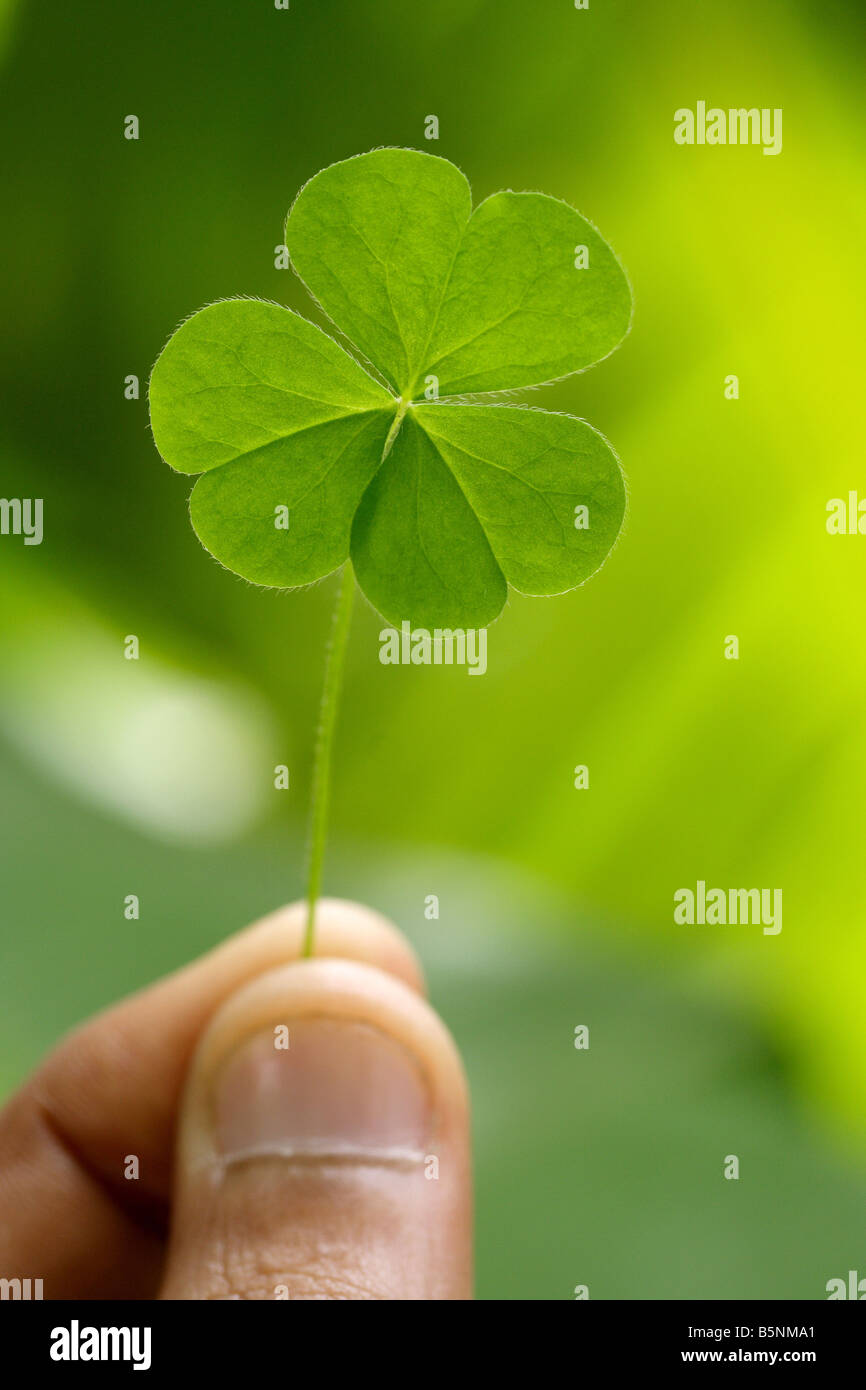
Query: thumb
{"x": 323, "y": 1149}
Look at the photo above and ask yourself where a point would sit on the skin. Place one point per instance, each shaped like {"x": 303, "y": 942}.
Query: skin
{"x": 146, "y": 1078}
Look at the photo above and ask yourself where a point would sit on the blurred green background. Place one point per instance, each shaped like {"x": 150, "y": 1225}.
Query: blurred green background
{"x": 156, "y": 777}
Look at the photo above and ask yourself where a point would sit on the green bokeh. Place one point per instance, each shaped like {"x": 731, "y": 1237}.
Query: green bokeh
{"x": 600, "y": 1168}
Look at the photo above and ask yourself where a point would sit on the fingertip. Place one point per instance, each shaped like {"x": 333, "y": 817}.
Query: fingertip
{"x": 324, "y": 1144}
{"x": 344, "y": 929}
{"x": 341, "y": 992}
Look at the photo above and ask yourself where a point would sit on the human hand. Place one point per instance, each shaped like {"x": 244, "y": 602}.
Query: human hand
{"x": 174, "y": 1147}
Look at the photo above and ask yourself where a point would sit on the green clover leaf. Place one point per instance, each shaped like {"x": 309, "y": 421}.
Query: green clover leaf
{"x": 440, "y": 504}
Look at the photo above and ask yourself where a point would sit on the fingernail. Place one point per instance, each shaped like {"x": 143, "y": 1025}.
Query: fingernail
{"x": 339, "y": 1088}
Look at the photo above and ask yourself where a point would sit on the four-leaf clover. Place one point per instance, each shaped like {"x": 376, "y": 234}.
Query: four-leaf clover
{"x": 440, "y": 503}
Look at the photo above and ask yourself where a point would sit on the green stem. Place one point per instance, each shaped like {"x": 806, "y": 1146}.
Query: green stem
{"x": 402, "y": 407}
{"x": 324, "y": 743}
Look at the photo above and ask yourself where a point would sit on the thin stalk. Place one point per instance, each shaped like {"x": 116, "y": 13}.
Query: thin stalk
{"x": 334, "y": 664}
{"x": 402, "y": 407}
